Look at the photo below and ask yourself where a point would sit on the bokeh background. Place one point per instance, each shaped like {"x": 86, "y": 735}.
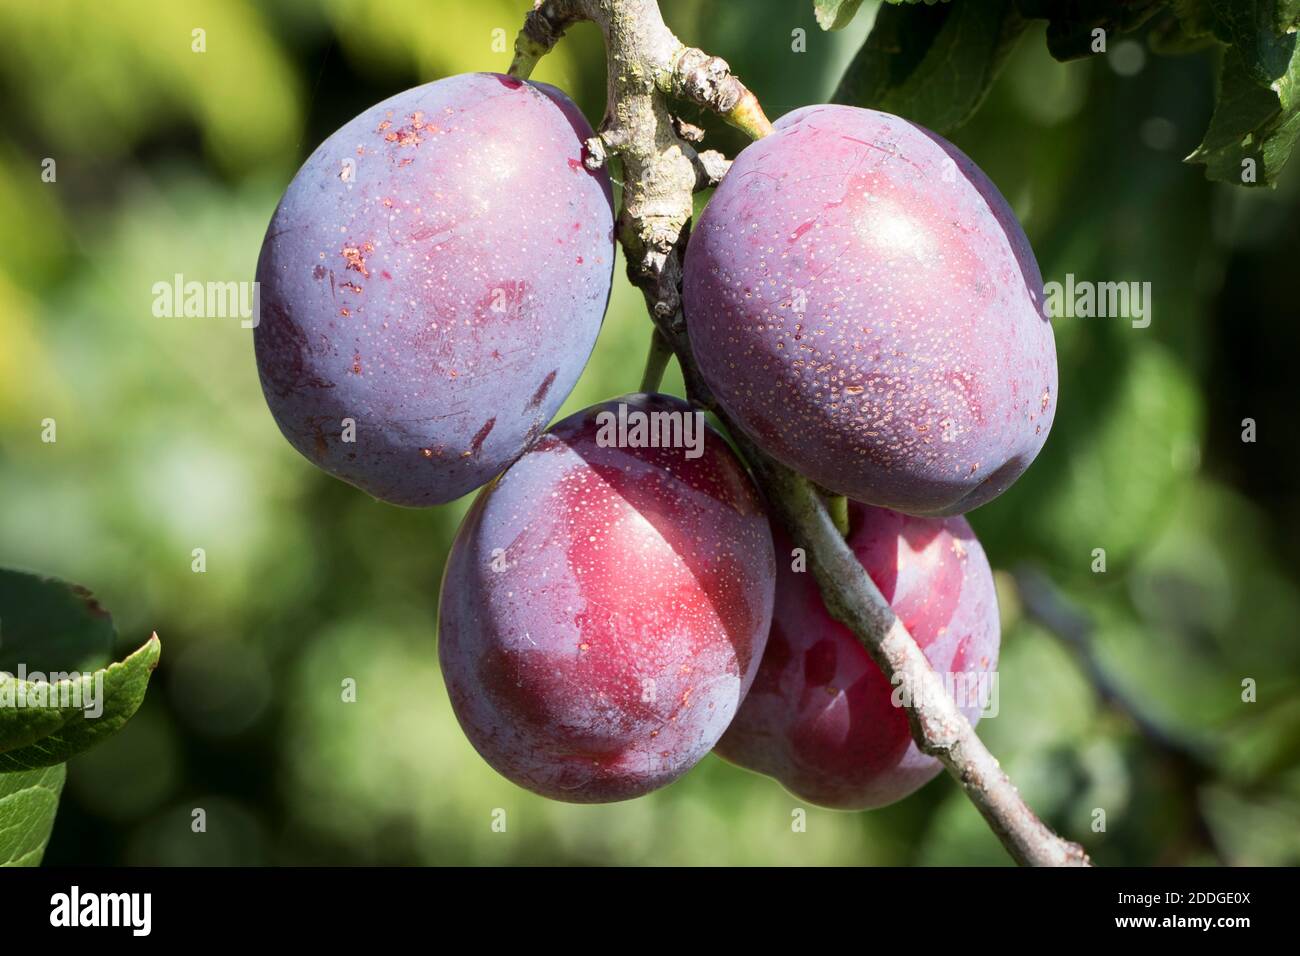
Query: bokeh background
{"x": 170, "y": 161}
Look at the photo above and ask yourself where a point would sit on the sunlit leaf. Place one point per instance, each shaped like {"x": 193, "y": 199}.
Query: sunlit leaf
{"x": 28, "y": 804}
{"x": 835, "y": 14}
{"x": 56, "y": 697}
{"x": 932, "y": 64}
{"x": 1257, "y": 114}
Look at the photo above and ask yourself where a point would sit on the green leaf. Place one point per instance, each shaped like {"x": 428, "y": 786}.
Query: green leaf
{"x": 835, "y": 14}
{"x": 1196, "y": 17}
{"x": 1071, "y": 24}
{"x": 51, "y": 625}
{"x": 45, "y": 723}
{"x": 1251, "y": 131}
{"x": 932, "y": 64}
{"x": 28, "y": 803}
{"x": 56, "y": 696}
{"x": 1257, "y": 113}
{"x": 1264, "y": 51}
{"x": 1190, "y": 29}
{"x": 1288, "y": 16}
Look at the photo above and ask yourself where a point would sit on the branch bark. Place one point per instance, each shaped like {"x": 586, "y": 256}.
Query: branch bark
{"x": 647, "y": 66}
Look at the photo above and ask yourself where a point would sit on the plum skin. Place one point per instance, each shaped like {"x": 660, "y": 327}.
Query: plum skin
{"x": 864, "y": 304}
{"x": 437, "y": 272}
{"x": 820, "y": 716}
{"x": 611, "y": 650}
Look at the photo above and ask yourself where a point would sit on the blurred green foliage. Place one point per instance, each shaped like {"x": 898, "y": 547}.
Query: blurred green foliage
{"x": 171, "y": 161}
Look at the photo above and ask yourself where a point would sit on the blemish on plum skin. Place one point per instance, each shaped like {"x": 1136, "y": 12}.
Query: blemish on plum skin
{"x": 408, "y": 135}
{"x": 802, "y": 230}
{"x": 542, "y": 389}
{"x": 320, "y": 445}
{"x": 476, "y": 443}
{"x": 355, "y": 256}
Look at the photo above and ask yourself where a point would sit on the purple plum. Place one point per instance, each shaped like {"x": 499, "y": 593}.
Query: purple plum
{"x": 432, "y": 284}
{"x": 864, "y": 304}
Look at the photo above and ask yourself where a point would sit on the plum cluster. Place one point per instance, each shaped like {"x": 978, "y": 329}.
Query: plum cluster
{"x": 617, "y": 603}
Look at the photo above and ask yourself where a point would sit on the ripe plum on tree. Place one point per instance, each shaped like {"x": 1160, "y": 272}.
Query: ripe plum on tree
{"x": 821, "y": 717}
{"x": 432, "y": 284}
{"x": 864, "y": 304}
{"x": 604, "y": 607}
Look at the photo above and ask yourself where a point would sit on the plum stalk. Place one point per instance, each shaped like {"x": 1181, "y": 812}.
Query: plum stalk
{"x": 837, "y": 506}
{"x": 656, "y": 361}
{"x": 648, "y": 67}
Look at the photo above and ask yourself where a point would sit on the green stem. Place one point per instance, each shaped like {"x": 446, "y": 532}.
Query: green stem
{"x": 527, "y": 55}
{"x": 656, "y": 361}
{"x": 543, "y": 27}
{"x": 748, "y": 117}
{"x": 837, "y": 506}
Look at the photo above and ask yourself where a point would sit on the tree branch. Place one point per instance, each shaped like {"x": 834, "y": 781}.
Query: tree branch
{"x": 938, "y": 726}
{"x": 647, "y": 64}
